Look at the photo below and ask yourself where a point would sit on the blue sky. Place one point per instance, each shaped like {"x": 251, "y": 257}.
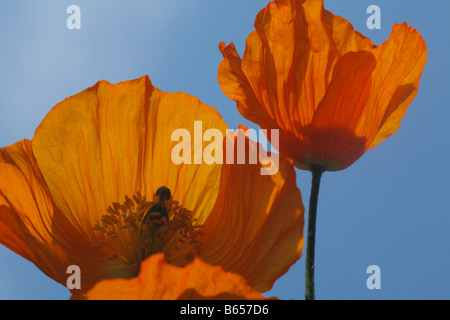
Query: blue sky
{"x": 391, "y": 208}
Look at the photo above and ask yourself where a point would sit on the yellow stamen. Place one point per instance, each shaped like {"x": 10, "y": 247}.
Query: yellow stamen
{"x": 128, "y": 239}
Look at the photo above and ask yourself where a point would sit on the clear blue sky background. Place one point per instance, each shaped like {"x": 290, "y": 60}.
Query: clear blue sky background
{"x": 391, "y": 208}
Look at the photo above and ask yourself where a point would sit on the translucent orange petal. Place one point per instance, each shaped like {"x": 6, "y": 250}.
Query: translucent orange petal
{"x": 26, "y": 211}
{"x": 288, "y": 62}
{"x": 347, "y": 93}
{"x": 344, "y": 36}
{"x": 400, "y": 62}
{"x": 159, "y": 280}
{"x": 114, "y": 140}
{"x": 252, "y": 101}
{"x": 32, "y": 226}
{"x": 331, "y": 135}
{"x": 256, "y": 227}
{"x": 236, "y": 86}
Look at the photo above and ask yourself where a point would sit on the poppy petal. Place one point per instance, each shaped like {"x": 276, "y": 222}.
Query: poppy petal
{"x": 32, "y": 225}
{"x": 400, "y": 62}
{"x": 159, "y": 280}
{"x": 335, "y": 144}
{"x": 236, "y": 86}
{"x": 344, "y": 36}
{"x": 27, "y": 210}
{"x": 114, "y": 140}
{"x": 256, "y": 227}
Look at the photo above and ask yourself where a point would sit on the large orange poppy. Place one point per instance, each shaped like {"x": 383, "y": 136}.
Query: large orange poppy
{"x": 76, "y": 193}
{"x": 330, "y": 91}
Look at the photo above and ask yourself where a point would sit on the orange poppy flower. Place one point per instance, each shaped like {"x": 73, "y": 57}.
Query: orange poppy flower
{"x": 330, "y": 91}
{"x": 196, "y": 281}
{"x": 77, "y": 193}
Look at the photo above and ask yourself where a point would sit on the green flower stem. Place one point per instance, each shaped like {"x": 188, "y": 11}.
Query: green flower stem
{"x": 311, "y": 236}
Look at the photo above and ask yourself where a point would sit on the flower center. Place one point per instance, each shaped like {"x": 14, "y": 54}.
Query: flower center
{"x": 136, "y": 229}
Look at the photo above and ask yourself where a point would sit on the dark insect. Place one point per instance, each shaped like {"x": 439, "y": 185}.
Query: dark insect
{"x": 156, "y": 217}
{"x": 162, "y": 195}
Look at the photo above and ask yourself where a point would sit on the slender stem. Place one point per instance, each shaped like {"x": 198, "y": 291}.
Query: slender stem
{"x": 311, "y": 236}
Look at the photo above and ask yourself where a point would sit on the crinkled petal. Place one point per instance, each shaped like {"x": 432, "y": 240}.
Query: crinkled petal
{"x": 333, "y": 143}
{"x": 159, "y": 280}
{"x": 256, "y": 227}
{"x": 113, "y": 140}
{"x": 400, "y": 62}
{"x": 287, "y": 67}
{"x": 32, "y": 225}
{"x": 27, "y": 210}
